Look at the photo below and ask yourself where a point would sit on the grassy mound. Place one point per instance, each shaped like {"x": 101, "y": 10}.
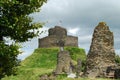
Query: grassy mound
{"x": 43, "y": 61}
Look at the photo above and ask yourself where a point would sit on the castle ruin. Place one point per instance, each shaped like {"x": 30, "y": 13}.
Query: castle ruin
{"x": 55, "y": 35}
{"x": 101, "y": 54}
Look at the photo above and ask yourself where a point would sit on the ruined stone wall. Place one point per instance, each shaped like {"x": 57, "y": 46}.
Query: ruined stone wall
{"x": 63, "y": 62}
{"x": 101, "y": 54}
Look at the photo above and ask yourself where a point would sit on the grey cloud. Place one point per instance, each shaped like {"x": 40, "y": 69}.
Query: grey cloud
{"x": 82, "y": 14}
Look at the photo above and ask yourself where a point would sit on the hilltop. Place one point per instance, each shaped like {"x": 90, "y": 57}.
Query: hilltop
{"x": 43, "y": 61}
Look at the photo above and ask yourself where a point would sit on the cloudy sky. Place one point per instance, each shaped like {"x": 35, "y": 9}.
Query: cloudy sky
{"x": 79, "y": 17}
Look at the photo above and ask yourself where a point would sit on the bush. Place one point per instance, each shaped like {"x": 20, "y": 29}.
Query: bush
{"x": 8, "y": 59}
{"x": 117, "y": 59}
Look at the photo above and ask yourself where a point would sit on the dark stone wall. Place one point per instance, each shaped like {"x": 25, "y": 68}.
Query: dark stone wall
{"x": 57, "y": 31}
{"x": 52, "y": 41}
{"x": 71, "y": 41}
{"x": 55, "y": 35}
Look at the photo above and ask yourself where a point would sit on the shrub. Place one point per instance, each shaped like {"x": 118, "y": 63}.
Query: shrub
{"x": 8, "y": 59}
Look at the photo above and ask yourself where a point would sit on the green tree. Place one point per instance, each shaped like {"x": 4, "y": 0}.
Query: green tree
{"x": 16, "y": 24}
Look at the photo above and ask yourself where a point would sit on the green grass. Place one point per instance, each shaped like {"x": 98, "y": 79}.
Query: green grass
{"x": 41, "y": 58}
{"x": 43, "y": 61}
{"x": 40, "y": 62}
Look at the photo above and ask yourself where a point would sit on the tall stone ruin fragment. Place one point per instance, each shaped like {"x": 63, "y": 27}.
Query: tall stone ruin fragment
{"x": 63, "y": 62}
{"x": 101, "y": 54}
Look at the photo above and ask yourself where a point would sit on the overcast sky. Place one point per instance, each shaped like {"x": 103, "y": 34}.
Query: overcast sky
{"x": 79, "y": 17}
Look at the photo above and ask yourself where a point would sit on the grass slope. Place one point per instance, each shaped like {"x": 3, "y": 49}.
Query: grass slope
{"x": 43, "y": 61}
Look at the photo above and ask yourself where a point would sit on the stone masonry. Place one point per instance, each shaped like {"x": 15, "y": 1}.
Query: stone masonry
{"x": 63, "y": 62}
{"x": 55, "y": 35}
{"x": 101, "y": 54}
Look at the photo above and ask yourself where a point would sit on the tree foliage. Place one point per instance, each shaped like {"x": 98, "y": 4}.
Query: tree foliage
{"x": 15, "y": 21}
{"x": 117, "y": 59}
{"x": 16, "y": 24}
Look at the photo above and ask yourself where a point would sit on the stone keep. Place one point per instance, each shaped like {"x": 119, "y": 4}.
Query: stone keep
{"x": 101, "y": 53}
{"x": 55, "y": 35}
